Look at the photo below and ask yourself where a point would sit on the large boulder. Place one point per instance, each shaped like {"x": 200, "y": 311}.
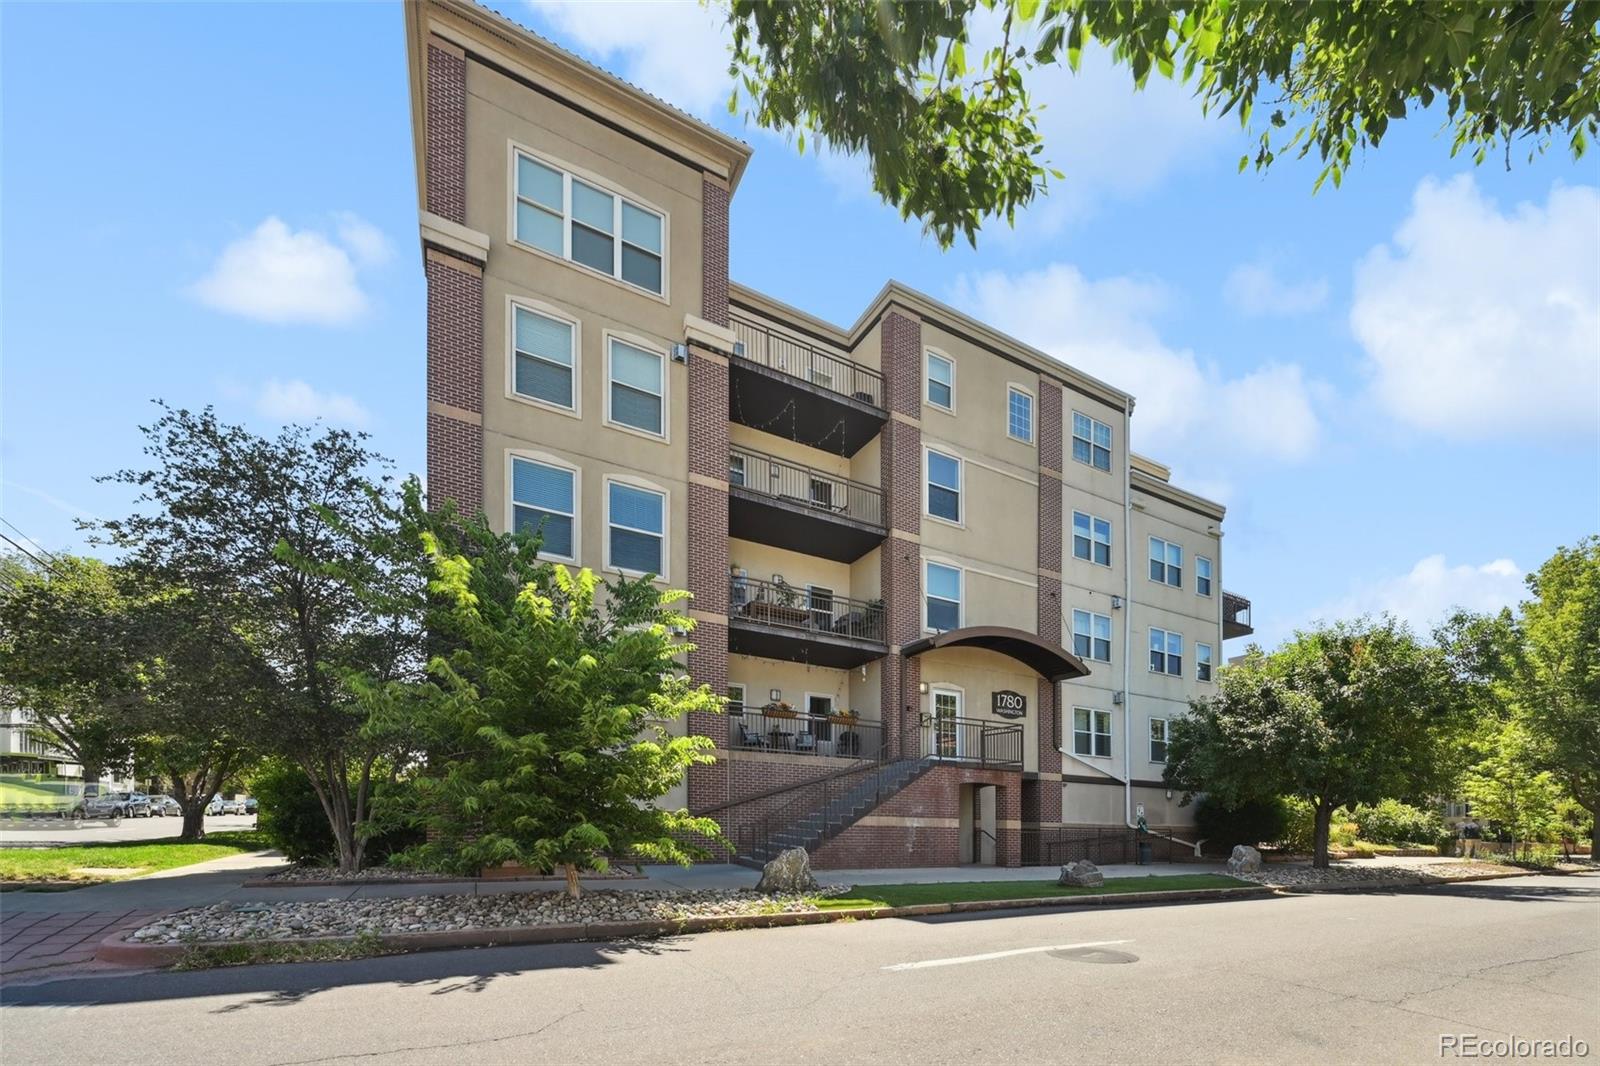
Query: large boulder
{"x": 1081, "y": 874}
{"x": 1245, "y": 860}
{"x": 788, "y": 874}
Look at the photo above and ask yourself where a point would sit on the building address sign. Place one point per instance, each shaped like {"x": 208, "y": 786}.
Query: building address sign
{"x": 1008, "y": 704}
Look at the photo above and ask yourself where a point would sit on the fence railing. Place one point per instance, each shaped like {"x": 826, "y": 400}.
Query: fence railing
{"x": 804, "y": 485}
{"x": 1059, "y": 846}
{"x": 972, "y": 740}
{"x": 760, "y": 344}
{"x": 1235, "y": 609}
{"x": 811, "y": 610}
{"x": 808, "y": 810}
{"x": 771, "y": 729}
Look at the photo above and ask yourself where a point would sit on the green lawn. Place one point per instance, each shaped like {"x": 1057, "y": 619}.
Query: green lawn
{"x": 91, "y": 863}
{"x": 970, "y": 891}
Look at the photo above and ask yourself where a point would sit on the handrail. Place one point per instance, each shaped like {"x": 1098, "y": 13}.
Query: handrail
{"x": 771, "y": 728}
{"x": 785, "y": 606}
{"x": 804, "y": 485}
{"x": 950, "y": 738}
{"x": 765, "y": 347}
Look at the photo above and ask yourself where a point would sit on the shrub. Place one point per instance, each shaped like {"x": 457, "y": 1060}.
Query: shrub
{"x": 293, "y": 821}
{"x": 1445, "y": 842}
{"x": 1392, "y": 822}
{"x": 1257, "y": 822}
{"x": 1342, "y": 834}
{"x": 1300, "y": 823}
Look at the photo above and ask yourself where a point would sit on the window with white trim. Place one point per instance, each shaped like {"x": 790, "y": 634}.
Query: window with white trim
{"x": 736, "y": 697}
{"x": 585, "y": 224}
{"x": 1019, "y": 414}
{"x": 543, "y": 503}
{"x": 1091, "y": 636}
{"x": 544, "y": 357}
{"x": 1158, "y": 740}
{"x": 637, "y": 386}
{"x": 1166, "y": 652}
{"x": 1091, "y": 732}
{"x": 636, "y": 539}
{"x": 941, "y": 382}
{"x": 1202, "y": 662}
{"x": 944, "y": 486}
{"x": 1202, "y": 575}
{"x": 942, "y": 597}
{"x": 1091, "y": 538}
{"x": 1091, "y": 441}
{"x": 1166, "y": 562}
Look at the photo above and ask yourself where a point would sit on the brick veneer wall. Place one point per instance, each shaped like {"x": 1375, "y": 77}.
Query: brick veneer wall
{"x": 1044, "y": 798}
{"x": 446, "y": 194}
{"x": 935, "y": 796}
{"x": 900, "y": 566}
{"x": 714, "y": 251}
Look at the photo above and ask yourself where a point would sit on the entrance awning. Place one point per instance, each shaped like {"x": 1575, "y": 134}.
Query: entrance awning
{"x": 1050, "y": 661}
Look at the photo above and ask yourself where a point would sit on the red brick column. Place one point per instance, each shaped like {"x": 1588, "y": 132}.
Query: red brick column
{"x": 446, "y": 131}
{"x": 900, "y": 574}
{"x": 1051, "y": 537}
{"x": 714, "y": 251}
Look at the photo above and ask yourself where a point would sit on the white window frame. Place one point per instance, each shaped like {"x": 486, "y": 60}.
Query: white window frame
{"x": 1110, "y": 539}
{"x": 1166, "y": 739}
{"x": 635, "y": 341}
{"x": 1166, "y": 566}
{"x": 1204, "y": 661}
{"x": 1033, "y": 413}
{"x": 961, "y": 487}
{"x": 1166, "y": 653}
{"x": 1091, "y": 616}
{"x": 927, "y": 380}
{"x": 961, "y": 593}
{"x": 744, "y": 693}
{"x": 946, "y": 689}
{"x": 539, "y": 307}
{"x": 666, "y": 524}
{"x": 546, "y": 459}
{"x": 618, "y": 194}
{"x": 1209, "y": 576}
{"x": 1095, "y": 718}
{"x": 1072, "y": 434}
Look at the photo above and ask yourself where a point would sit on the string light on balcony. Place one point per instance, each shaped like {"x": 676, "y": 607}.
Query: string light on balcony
{"x": 791, "y": 411}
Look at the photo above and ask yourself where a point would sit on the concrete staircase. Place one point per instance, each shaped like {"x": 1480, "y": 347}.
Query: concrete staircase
{"x": 820, "y": 814}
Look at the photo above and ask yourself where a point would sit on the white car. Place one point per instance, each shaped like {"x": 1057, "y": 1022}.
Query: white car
{"x": 218, "y": 805}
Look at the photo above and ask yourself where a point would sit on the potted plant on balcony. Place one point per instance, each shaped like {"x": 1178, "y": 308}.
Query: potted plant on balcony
{"x": 844, "y": 717}
{"x": 778, "y": 709}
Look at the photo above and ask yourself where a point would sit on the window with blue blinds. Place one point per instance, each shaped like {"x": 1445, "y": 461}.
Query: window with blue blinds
{"x": 636, "y": 387}
{"x": 571, "y": 218}
{"x": 543, "y": 502}
{"x": 944, "y": 486}
{"x": 637, "y": 518}
{"x": 543, "y": 350}
{"x": 943, "y": 597}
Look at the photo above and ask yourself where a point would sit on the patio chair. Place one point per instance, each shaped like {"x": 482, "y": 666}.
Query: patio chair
{"x": 806, "y": 741}
{"x": 750, "y": 739}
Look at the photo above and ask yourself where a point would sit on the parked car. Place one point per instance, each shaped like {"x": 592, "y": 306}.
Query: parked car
{"x": 250, "y": 805}
{"x": 165, "y": 806}
{"x": 116, "y": 805}
{"x": 218, "y": 805}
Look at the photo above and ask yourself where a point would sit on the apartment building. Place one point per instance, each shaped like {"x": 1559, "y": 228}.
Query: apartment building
{"x": 952, "y": 613}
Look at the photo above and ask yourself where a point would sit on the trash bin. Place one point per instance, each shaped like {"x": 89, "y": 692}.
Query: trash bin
{"x": 1144, "y": 853}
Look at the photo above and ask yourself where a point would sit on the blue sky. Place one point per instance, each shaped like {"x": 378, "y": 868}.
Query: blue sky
{"x": 1394, "y": 386}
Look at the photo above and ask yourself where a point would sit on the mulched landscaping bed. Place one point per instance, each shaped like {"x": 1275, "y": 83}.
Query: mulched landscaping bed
{"x": 1292, "y": 875}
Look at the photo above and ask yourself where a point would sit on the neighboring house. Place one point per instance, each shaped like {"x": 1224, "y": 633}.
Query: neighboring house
{"x": 953, "y": 615}
{"x": 23, "y": 752}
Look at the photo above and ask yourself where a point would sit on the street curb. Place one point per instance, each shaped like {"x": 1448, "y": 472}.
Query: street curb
{"x": 116, "y": 950}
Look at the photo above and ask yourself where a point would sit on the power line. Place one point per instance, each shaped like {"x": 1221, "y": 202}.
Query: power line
{"x": 29, "y": 554}
{"x": 37, "y": 546}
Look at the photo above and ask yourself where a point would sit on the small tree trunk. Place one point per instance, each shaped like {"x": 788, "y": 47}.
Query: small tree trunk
{"x": 194, "y": 820}
{"x": 1594, "y": 836}
{"x": 574, "y": 889}
{"x": 1319, "y": 845}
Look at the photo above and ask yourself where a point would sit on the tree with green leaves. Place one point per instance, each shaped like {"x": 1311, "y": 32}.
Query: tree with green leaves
{"x": 940, "y": 96}
{"x": 1348, "y": 713}
{"x": 547, "y": 723}
{"x": 1507, "y": 788}
{"x": 297, "y": 531}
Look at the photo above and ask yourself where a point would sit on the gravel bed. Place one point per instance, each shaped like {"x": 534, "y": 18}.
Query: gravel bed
{"x": 349, "y": 917}
{"x": 1368, "y": 870}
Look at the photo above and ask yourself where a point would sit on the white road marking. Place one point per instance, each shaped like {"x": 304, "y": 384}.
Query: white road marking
{"x": 959, "y": 959}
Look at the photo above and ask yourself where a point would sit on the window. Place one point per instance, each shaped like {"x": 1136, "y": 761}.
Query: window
{"x": 1166, "y": 652}
{"x": 1019, "y": 415}
{"x": 943, "y": 599}
{"x": 735, "y": 698}
{"x": 944, "y": 486}
{"x": 637, "y": 385}
{"x": 1158, "y": 740}
{"x": 946, "y": 724}
{"x": 1091, "y": 732}
{"x": 1202, "y": 575}
{"x": 1091, "y": 636}
{"x": 941, "y": 382}
{"x": 579, "y": 221}
{"x": 1091, "y": 538}
{"x": 736, "y": 470}
{"x": 543, "y": 503}
{"x": 819, "y": 601}
{"x": 1091, "y": 441}
{"x": 1202, "y": 662}
{"x": 637, "y": 534}
{"x": 1166, "y": 562}
{"x": 542, "y": 355}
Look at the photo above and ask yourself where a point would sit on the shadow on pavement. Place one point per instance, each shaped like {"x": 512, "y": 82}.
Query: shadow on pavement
{"x": 286, "y": 984}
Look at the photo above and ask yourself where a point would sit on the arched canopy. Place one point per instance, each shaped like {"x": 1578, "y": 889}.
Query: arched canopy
{"x": 1050, "y": 661}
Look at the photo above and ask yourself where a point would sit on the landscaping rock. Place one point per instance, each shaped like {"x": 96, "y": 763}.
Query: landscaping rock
{"x": 1081, "y": 874}
{"x": 790, "y": 872}
{"x": 1245, "y": 860}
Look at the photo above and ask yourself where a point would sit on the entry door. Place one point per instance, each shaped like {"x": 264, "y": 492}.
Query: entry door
{"x": 946, "y": 740}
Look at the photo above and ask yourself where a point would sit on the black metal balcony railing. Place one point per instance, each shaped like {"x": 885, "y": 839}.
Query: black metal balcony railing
{"x": 1235, "y": 615}
{"x": 772, "y": 729}
{"x": 803, "y": 485}
{"x": 772, "y": 603}
{"x": 972, "y": 740}
{"x": 783, "y": 353}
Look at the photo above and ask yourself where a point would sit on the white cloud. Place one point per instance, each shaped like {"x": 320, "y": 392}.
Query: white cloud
{"x": 676, "y": 50}
{"x": 296, "y": 401}
{"x": 1479, "y": 322}
{"x": 1256, "y": 288}
{"x": 1183, "y": 406}
{"x": 275, "y": 274}
{"x": 1430, "y": 591}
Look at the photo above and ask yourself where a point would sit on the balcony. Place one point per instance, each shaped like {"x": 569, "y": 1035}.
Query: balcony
{"x": 1235, "y": 616}
{"x": 782, "y": 385}
{"x": 773, "y": 501}
{"x": 773, "y": 729}
{"x": 774, "y": 620}
{"x": 972, "y": 742}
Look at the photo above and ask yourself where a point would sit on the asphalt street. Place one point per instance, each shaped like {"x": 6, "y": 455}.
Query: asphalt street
{"x": 1357, "y": 978}
{"x": 64, "y": 832}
